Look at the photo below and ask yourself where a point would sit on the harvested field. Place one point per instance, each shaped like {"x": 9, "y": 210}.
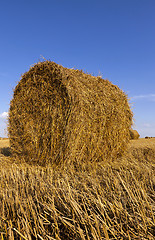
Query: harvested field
{"x": 5, "y": 152}
{"x": 66, "y": 177}
{"x": 142, "y": 143}
{"x": 4, "y": 143}
{"x": 106, "y": 200}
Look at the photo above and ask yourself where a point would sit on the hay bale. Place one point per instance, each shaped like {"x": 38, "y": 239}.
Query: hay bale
{"x": 59, "y": 114}
{"x": 134, "y": 134}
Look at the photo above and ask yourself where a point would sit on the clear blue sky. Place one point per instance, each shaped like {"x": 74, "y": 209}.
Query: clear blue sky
{"x": 115, "y": 38}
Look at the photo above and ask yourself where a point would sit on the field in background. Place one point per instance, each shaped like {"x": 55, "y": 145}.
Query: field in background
{"x": 109, "y": 200}
{"x": 4, "y": 143}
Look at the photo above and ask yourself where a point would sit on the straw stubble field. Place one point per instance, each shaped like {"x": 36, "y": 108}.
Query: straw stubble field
{"x": 104, "y": 200}
{"x": 71, "y": 172}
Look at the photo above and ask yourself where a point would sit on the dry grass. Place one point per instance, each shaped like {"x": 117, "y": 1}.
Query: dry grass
{"x": 110, "y": 200}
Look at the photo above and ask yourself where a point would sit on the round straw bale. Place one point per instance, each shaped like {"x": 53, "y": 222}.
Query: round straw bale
{"x": 134, "y": 134}
{"x": 59, "y": 114}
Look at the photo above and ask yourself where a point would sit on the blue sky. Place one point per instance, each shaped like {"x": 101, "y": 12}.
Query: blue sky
{"x": 112, "y": 38}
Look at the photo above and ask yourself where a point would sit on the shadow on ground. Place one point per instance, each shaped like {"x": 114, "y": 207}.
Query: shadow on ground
{"x": 6, "y": 151}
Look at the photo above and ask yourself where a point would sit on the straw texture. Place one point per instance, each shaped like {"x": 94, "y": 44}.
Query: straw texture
{"x": 59, "y": 114}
